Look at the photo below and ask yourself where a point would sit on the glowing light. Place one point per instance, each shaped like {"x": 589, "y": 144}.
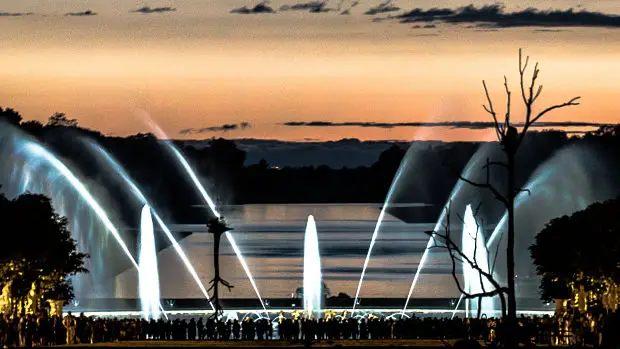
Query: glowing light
{"x": 474, "y": 248}
{"x": 205, "y": 196}
{"x": 148, "y": 276}
{"x": 312, "y": 271}
{"x": 375, "y": 233}
{"x": 34, "y": 149}
{"x": 138, "y": 193}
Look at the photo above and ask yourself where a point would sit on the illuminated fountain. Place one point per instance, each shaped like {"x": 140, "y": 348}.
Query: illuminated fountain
{"x": 474, "y": 247}
{"x": 375, "y": 233}
{"x": 38, "y": 170}
{"x": 313, "y": 280}
{"x": 473, "y": 166}
{"x": 570, "y": 181}
{"x": 35, "y": 169}
{"x": 111, "y": 162}
{"x": 148, "y": 278}
{"x": 207, "y": 199}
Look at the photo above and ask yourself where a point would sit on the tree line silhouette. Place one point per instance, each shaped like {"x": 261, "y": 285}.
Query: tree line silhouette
{"x": 221, "y": 166}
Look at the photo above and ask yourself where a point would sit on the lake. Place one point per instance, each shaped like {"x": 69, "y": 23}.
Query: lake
{"x": 271, "y": 238}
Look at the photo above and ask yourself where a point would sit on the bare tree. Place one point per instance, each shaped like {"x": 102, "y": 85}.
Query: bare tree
{"x": 217, "y": 227}
{"x": 460, "y": 257}
{"x": 510, "y": 138}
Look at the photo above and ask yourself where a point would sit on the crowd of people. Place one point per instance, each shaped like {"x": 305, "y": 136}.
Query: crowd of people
{"x": 565, "y": 330}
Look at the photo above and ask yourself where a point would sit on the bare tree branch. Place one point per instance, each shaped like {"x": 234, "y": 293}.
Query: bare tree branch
{"x": 488, "y": 185}
{"x": 507, "y": 117}
{"x": 572, "y": 102}
{"x": 522, "y": 68}
{"x": 457, "y": 255}
{"x": 499, "y": 130}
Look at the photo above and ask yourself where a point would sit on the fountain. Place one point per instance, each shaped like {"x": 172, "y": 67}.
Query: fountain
{"x": 203, "y": 193}
{"x": 571, "y": 180}
{"x": 375, "y": 233}
{"x": 473, "y": 166}
{"x": 474, "y": 248}
{"x": 312, "y": 272}
{"x": 35, "y": 169}
{"x": 111, "y": 162}
{"x": 148, "y": 278}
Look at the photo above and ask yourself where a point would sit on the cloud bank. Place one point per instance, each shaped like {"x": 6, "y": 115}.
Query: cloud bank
{"x": 149, "y": 10}
{"x": 311, "y": 6}
{"x": 495, "y": 16}
{"x": 15, "y": 14}
{"x": 471, "y": 125}
{"x": 384, "y": 7}
{"x": 219, "y": 128}
{"x": 81, "y": 14}
{"x": 263, "y": 7}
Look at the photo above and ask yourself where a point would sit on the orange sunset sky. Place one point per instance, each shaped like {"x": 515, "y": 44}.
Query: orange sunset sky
{"x": 202, "y": 66}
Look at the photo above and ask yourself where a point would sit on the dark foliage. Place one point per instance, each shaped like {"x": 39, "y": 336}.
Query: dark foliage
{"x": 581, "y": 249}
{"x": 37, "y": 249}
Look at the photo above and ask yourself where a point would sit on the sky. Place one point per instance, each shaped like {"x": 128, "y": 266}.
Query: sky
{"x": 201, "y": 71}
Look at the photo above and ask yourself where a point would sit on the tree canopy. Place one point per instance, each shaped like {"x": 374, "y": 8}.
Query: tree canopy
{"x": 38, "y": 254}
{"x": 580, "y": 253}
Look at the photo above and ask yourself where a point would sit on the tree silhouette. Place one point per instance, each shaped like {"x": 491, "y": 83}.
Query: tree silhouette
{"x": 579, "y": 255}
{"x": 217, "y": 227}
{"x": 511, "y": 139}
{"x": 60, "y": 119}
{"x": 10, "y": 116}
{"x": 39, "y": 254}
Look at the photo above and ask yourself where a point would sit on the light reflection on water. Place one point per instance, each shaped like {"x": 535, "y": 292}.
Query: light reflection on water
{"x": 271, "y": 238}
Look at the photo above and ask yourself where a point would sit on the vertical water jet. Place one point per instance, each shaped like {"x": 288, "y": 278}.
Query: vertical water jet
{"x": 97, "y": 150}
{"x": 313, "y": 280}
{"x": 148, "y": 277}
{"x": 474, "y": 248}
{"x": 192, "y": 175}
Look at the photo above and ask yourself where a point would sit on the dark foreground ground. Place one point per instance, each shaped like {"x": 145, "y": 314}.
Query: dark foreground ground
{"x": 273, "y": 344}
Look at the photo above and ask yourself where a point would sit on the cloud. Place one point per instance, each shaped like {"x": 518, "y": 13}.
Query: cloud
{"x": 311, "y": 6}
{"x": 263, "y": 7}
{"x": 220, "y": 128}
{"x": 495, "y": 16}
{"x": 15, "y": 14}
{"x": 472, "y": 125}
{"x": 81, "y": 14}
{"x": 149, "y": 10}
{"x": 383, "y": 7}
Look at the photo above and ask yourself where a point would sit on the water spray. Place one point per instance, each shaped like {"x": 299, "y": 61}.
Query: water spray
{"x": 205, "y": 196}
{"x": 456, "y": 190}
{"x": 140, "y": 196}
{"x": 375, "y": 233}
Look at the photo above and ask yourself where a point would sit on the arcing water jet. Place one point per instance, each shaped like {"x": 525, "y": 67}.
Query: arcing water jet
{"x": 474, "y": 163}
{"x": 313, "y": 280}
{"x": 205, "y": 196}
{"x": 148, "y": 275}
{"x": 375, "y": 233}
{"x": 548, "y": 197}
{"x": 32, "y": 149}
{"x": 140, "y": 196}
